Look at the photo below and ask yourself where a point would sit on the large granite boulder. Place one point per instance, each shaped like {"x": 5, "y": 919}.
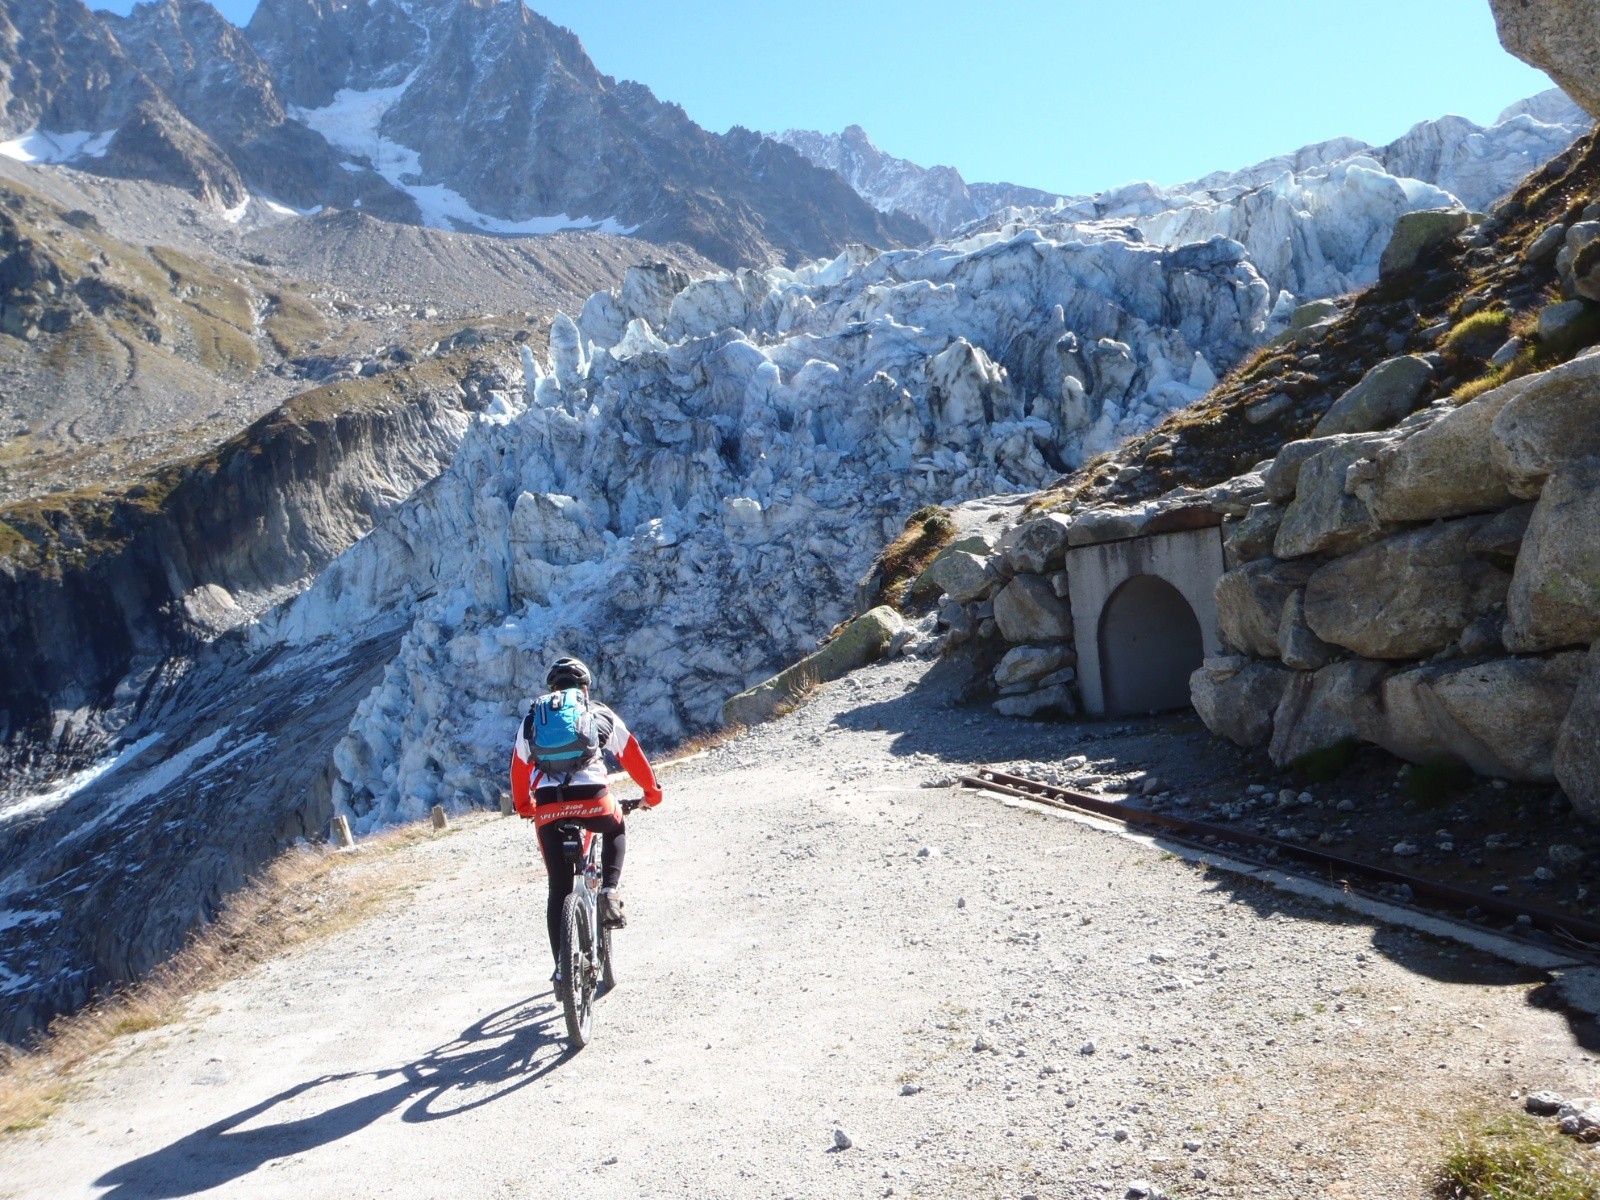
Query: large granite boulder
{"x": 1555, "y": 591}
{"x": 1282, "y": 477}
{"x": 1039, "y": 545}
{"x": 1418, "y": 233}
{"x": 1323, "y": 708}
{"x": 1445, "y": 470}
{"x": 1500, "y": 716}
{"x": 1408, "y": 596}
{"x": 1386, "y": 393}
{"x": 1236, "y": 697}
{"x": 1028, "y": 610}
{"x": 1552, "y": 421}
{"x": 1026, "y": 664}
{"x": 857, "y": 644}
{"x": 1057, "y": 700}
{"x": 1097, "y": 525}
{"x": 926, "y": 585}
{"x": 1250, "y": 603}
{"x": 962, "y": 575}
{"x": 1577, "y": 755}
{"x": 1558, "y": 37}
{"x": 1250, "y": 537}
{"x": 1322, "y": 518}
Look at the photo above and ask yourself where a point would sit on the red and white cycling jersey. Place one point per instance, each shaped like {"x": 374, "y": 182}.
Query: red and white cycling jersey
{"x": 585, "y": 792}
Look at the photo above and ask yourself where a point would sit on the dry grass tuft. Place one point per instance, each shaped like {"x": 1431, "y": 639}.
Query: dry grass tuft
{"x": 304, "y": 896}
{"x": 1516, "y": 1158}
{"x": 802, "y": 687}
{"x": 702, "y": 742}
{"x": 928, "y": 530}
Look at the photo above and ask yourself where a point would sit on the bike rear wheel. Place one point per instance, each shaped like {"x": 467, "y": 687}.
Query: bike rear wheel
{"x": 578, "y": 966}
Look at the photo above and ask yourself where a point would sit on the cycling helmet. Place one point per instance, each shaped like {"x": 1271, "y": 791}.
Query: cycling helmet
{"x": 568, "y": 673}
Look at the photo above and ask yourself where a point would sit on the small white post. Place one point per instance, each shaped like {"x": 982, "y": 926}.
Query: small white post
{"x": 440, "y": 821}
{"x": 506, "y": 810}
{"x": 339, "y": 833}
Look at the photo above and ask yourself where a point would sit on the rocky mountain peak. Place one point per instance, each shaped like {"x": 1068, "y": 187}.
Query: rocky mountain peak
{"x": 493, "y": 118}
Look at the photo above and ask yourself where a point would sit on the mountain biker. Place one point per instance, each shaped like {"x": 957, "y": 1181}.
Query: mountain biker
{"x": 580, "y": 796}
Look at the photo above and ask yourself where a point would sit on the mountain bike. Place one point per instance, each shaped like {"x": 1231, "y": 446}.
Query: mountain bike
{"x": 586, "y": 970}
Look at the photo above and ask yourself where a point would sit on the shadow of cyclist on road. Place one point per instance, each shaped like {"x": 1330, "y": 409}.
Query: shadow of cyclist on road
{"x": 501, "y": 1054}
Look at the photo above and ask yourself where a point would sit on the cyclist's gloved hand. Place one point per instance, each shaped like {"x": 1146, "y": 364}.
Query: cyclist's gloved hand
{"x": 651, "y": 799}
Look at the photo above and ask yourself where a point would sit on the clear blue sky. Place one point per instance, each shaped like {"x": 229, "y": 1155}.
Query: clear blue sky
{"x": 1068, "y": 95}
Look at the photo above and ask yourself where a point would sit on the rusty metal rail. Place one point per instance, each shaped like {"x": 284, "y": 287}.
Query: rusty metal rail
{"x": 1576, "y": 933}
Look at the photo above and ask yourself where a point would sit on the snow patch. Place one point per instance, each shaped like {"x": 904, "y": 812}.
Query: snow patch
{"x": 63, "y": 792}
{"x": 41, "y": 146}
{"x": 285, "y": 210}
{"x": 352, "y": 121}
{"x": 11, "y": 918}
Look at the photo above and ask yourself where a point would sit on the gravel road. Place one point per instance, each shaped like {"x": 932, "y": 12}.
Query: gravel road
{"x": 988, "y": 1001}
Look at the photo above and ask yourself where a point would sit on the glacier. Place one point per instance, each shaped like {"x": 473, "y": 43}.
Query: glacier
{"x": 688, "y": 486}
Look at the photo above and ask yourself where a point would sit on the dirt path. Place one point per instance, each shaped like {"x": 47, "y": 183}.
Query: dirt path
{"x": 814, "y": 934}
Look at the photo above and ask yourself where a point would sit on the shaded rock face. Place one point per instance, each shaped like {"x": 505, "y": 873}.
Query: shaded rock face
{"x": 155, "y": 142}
{"x": 1500, "y": 717}
{"x": 1558, "y": 37}
{"x": 224, "y": 780}
{"x": 1577, "y": 751}
{"x": 269, "y": 509}
{"x": 1237, "y": 698}
{"x": 211, "y": 73}
{"x": 1555, "y": 592}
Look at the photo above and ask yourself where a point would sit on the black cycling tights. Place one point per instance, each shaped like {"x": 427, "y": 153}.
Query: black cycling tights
{"x": 612, "y": 849}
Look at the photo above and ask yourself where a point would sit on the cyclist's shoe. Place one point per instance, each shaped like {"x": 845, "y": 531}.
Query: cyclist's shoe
{"x": 612, "y": 914}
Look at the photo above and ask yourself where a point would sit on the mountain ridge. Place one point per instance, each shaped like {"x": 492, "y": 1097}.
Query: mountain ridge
{"x": 1476, "y": 163}
{"x": 481, "y": 116}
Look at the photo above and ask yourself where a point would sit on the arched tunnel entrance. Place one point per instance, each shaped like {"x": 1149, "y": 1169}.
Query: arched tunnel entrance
{"x": 1150, "y": 643}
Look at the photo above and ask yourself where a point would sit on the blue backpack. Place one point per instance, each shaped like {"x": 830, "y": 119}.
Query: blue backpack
{"x": 562, "y": 732}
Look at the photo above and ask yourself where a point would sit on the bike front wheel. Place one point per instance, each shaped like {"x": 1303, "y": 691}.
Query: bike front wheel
{"x": 608, "y": 974}
{"x": 578, "y": 965}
